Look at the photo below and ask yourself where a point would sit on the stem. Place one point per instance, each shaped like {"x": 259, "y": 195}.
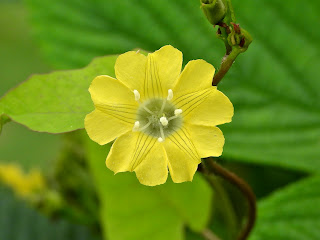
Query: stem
{"x": 209, "y": 235}
{"x": 226, "y": 63}
{"x": 243, "y": 187}
{"x": 225, "y": 203}
{"x": 231, "y": 11}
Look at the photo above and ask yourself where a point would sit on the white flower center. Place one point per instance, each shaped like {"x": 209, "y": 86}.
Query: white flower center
{"x": 157, "y": 117}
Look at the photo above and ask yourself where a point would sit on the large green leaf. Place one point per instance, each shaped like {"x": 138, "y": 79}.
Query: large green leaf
{"x": 20, "y": 222}
{"x": 132, "y": 211}
{"x": 55, "y": 102}
{"x": 291, "y": 213}
{"x": 273, "y": 85}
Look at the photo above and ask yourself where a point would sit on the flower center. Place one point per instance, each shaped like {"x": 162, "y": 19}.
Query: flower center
{"x": 157, "y": 117}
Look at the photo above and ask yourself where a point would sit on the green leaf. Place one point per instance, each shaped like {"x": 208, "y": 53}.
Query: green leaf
{"x": 290, "y": 213}
{"x": 274, "y": 85}
{"x": 55, "y": 102}
{"x": 3, "y": 120}
{"x": 132, "y": 211}
{"x": 20, "y": 222}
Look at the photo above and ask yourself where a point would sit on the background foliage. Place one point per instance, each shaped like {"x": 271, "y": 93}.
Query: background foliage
{"x": 273, "y": 87}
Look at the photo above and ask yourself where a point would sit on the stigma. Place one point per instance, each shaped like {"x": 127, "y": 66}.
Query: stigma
{"x": 164, "y": 121}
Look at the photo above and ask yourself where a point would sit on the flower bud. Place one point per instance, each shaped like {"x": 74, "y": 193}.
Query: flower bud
{"x": 246, "y": 40}
{"x": 239, "y": 37}
{"x": 215, "y": 10}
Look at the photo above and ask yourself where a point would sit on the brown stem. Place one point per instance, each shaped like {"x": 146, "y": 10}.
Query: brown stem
{"x": 243, "y": 187}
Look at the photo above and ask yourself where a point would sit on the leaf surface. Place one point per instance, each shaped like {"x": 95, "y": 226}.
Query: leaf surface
{"x": 55, "y": 102}
{"x": 290, "y": 213}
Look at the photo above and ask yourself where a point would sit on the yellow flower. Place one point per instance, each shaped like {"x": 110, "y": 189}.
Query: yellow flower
{"x": 21, "y": 183}
{"x": 161, "y": 118}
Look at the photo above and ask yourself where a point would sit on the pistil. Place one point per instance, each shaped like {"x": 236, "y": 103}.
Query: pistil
{"x": 164, "y": 121}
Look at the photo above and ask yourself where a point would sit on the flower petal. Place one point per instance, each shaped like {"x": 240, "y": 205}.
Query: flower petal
{"x": 197, "y": 75}
{"x": 130, "y": 69}
{"x": 128, "y": 151}
{"x": 162, "y": 72}
{"x": 209, "y": 107}
{"x": 112, "y": 97}
{"x": 98, "y": 126}
{"x": 108, "y": 90}
{"x": 183, "y": 158}
{"x": 208, "y": 141}
{"x": 153, "y": 170}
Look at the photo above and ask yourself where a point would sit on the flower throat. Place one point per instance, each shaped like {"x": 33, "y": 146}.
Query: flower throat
{"x": 157, "y": 117}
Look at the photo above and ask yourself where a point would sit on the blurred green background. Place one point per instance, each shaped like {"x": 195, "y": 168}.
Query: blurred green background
{"x": 273, "y": 140}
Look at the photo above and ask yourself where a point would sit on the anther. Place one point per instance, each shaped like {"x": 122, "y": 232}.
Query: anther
{"x": 136, "y": 126}
{"x": 164, "y": 121}
{"x": 136, "y": 95}
{"x": 170, "y": 94}
{"x": 177, "y": 112}
{"x": 160, "y": 139}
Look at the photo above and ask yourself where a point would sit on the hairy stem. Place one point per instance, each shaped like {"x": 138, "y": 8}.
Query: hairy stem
{"x": 226, "y": 63}
{"x": 243, "y": 187}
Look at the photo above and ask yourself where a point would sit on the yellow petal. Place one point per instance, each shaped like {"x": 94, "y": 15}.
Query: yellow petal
{"x": 103, "y": 128}
{"x": 208, "y": 141}
{"x": 183, "y": 158}
{"x": 128, "y": 151}
{"x": 197, "y": 75}
{"x": 108, "y": 90}
{"x": 209, "y": 107}
{"x": 163, "y": 70}
{"x": 130, "y": 69}
{"x": 112, "y": 97}
{"x": 153, "y": 170}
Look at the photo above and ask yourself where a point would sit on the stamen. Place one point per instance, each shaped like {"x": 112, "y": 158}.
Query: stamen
{"x": 148, "y": 110}
{"x": 160, "y": 139}
{"x": 161, "y": 133}
{"x": 136, "y": 126}
{"x": 163, "y": 104}
{"x": 170, "y": 94}
{"x": 136, "y": 95}
{"x": 145, "y": 126}
{"x": 164, "y": 121}
{"x": 177, "y": 112}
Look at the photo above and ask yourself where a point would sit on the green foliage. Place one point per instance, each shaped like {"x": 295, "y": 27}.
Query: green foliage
{"x": 18, "y": 59}
{"x": 18, "y": 221}
{"x": 132, "y": 211}
{"x": 273, "y": 87}
{"x": 3, "y": 119}
{"x": 55, "y": 102}
{"x": 290, "y": 213}
{"x": 64, "y": 178}
{"x": 19, "y": 56}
